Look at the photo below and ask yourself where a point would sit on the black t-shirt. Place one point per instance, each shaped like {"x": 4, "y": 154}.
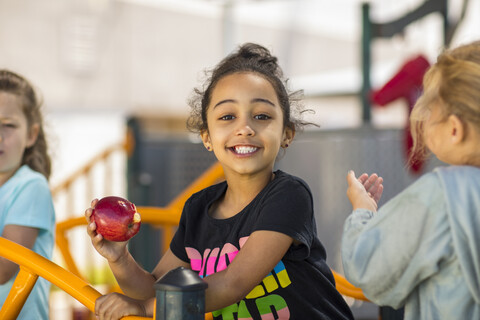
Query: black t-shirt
{"x": 301, "y": 286}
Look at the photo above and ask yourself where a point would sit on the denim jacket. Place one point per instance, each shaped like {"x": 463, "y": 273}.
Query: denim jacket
{"x": 422, "y": 249}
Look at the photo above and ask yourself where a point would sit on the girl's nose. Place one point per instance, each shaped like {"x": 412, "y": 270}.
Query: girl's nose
{"x": 245, "y": 129}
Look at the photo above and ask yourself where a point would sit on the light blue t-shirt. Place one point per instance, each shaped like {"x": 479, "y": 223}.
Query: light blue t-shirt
{"x": 25, "y": 200}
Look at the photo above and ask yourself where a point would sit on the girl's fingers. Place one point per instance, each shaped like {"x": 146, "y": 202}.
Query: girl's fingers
{"x": 363, "y": 178}
{"x": 350, "y": 177}
{"x": 370, "y": 182}
{"x": 378, "y": 193}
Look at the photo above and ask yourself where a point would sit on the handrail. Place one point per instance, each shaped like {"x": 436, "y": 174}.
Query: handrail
{"x": 33, "y": 265}
{"x": 65, "y": 184}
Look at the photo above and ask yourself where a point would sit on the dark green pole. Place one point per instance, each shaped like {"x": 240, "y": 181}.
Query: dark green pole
{"x": 366, "y": 62}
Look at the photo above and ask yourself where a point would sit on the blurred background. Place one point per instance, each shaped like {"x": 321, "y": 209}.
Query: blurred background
{"x": 108, "y": 67}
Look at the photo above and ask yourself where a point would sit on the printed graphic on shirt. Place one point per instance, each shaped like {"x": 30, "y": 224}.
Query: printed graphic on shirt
{"x": 269, "y": 305}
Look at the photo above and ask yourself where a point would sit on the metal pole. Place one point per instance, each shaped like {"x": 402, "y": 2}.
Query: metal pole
{"x": 366, "y": 62}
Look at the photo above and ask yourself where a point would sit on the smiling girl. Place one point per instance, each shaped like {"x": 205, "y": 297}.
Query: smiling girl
{"x": 252, "y": 237}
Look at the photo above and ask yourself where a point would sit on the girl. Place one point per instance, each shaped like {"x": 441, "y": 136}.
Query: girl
{"x": 26, "y": 208}
{"x": 422, "y": 249}
{"x": 253, "y": 237}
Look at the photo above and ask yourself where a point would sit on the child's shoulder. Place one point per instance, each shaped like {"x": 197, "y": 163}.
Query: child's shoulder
{"x": 459, "y": 179}
{"x": 209, "y": 192}
{"x": 282, "y": 177}
{"x": 25, "y": 176}
{"x": 459, "y": 172}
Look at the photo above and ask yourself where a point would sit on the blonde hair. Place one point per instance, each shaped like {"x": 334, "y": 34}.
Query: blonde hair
{"x": 453, "y": 83}
{"x": 36, "y": 156}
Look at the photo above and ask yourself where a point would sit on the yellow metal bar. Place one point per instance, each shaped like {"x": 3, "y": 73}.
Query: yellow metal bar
{"x": 209, "y": 177}
{"x": 34, "y": 265}
{"x": 82, "y": 171}
{"x": 21, "y": 288}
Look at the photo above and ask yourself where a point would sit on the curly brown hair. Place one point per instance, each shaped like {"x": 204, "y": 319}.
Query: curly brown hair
{"x": 249, "y": 57}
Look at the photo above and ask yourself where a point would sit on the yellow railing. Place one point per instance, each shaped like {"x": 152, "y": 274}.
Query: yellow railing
{"x": 33, "y": 265}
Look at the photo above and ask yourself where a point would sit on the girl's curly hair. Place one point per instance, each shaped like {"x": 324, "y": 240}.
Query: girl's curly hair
{"x": 249, "y": 57}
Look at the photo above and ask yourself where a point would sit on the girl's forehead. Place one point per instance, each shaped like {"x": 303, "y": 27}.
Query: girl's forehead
{"x": 239, "y": 81}
{"x": 10, "y": 106}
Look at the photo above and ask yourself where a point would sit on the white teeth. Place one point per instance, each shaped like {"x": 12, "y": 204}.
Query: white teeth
{"x": 245, "y": 149}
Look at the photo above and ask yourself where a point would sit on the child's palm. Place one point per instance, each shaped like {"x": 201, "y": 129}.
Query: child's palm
{"x": 364, "y": 192}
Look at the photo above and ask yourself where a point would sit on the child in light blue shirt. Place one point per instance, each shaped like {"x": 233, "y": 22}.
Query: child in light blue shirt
{"x": 26, "y": 209}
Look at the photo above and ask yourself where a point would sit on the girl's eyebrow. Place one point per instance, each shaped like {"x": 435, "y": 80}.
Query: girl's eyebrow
{"x": 222, "y": 102}
{"x": 264, "y": 101}
{"x": 7, "y": 118}
{"x": 252, "y": 101}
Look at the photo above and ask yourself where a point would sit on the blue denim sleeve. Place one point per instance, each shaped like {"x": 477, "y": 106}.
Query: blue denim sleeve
{"x": 388, "y": 253}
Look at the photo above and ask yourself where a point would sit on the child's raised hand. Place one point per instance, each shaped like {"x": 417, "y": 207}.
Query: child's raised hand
{"x": 373, "y": 184}
{"x": 364, "y": 192}
{"x": 110, "y": 250}
{"x": 114, "y": 306}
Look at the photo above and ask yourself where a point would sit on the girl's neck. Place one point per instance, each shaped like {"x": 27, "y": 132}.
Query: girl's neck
{"x": 240, "y": 192}
{"x": 5, "y": 176}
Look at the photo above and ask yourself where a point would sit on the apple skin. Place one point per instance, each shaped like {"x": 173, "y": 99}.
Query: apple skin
{"x": 116, "y": 218}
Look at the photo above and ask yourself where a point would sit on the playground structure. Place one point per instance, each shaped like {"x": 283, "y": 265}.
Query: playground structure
{"x": 165, "y": 217}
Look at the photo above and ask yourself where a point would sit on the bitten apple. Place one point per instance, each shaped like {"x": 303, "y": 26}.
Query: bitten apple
{"x": 116, "y": 218}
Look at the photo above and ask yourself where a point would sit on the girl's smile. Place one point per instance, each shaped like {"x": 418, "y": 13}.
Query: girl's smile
{"x": 244, "y": 150}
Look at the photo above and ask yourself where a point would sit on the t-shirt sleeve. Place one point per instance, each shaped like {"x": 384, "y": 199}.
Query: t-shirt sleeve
{"x": 289, "y": 209}
{"x": 177, "y": 245}
{"x": 32, "y": 206}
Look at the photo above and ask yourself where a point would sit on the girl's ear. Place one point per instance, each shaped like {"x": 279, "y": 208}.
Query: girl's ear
{"x": 33, "y": 134}
{"x": 288, "y": 135}
{"x": 456, "y": 129}
{"x": 206, "y": 140}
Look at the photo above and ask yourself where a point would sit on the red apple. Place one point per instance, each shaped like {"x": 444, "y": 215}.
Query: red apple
{"x": 116, "y": 218}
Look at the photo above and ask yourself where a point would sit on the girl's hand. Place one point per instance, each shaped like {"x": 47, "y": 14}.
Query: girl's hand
{"x": 114, "y": 306}
{"x": 364, "y": 192}
{"x": 112, "y": 251}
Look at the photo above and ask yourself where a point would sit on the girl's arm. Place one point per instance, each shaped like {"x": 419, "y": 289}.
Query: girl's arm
{"x": 258, "y": 256}
{"x": 387, "y": 254}
{"x": 22, "y": 235}
{"x": 137, "y": 285}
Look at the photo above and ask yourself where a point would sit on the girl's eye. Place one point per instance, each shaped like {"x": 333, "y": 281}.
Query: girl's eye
{"x": 227, "y": 117}
{"x": 9, "y": 125}
{"x": 262, "y": 117}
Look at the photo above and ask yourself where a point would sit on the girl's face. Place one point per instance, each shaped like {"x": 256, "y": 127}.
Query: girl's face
{"x": 245, "y": 124}
{"x": 14, "y": 135}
